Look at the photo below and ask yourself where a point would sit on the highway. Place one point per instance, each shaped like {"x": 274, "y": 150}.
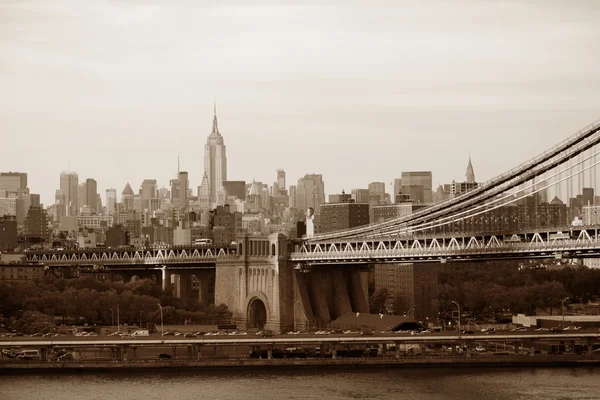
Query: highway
{"x": 435, "y": 337}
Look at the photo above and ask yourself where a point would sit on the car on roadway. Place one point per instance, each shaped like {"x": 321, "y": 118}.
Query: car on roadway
{"x": 66, "y": 357}
{"x": 572, "y": 328}
{"x": 480, "y": 349}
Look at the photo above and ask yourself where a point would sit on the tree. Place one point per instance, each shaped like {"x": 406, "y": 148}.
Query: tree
{"x": 35, "y": 322}
{"x": 377, "y": 300}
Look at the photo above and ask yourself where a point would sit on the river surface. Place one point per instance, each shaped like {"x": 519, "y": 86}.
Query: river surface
{"x": 305, "y": 383}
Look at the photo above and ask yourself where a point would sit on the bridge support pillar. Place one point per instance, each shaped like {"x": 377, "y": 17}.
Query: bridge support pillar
{"x": 358, "y": 296}
{"x": 44, "y": 354}
{"x": 270, "y": 352}
{"x": 185, "y": 285}
{"x": 334, "y": 350}
{"x": 303, "y": 312}
{"x": 174, "y": 351}
{"x": 341, "y": 300}
{"x": 199, "y": 351}
{"x": 397, "y": 344}
{"x": 165, "y": 278}
{"x": 319, "y": 289}
{"x": 589, "y": 349}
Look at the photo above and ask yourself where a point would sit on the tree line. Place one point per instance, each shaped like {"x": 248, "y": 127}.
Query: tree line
{"x": 491, "y": 290}
{"x": 87, "y": 300}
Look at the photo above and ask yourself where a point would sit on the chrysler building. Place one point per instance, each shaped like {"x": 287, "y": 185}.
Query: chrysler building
{"x": 215, "y": 160}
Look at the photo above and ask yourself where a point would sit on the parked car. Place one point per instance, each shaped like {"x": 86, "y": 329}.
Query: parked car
{"x": 66, "y": 357}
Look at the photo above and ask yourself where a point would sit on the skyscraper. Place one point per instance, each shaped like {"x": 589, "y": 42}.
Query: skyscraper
{"x": 91, "y": 188}
{"x": 470, "y": 175}
{"x": 111, "y": 200}
{"x": 69, "y": 185}
{"x": 215, "y": 160}
{"x": 311, "y": 192}
{"x": 148, "y": 192}
{"x": 417, "y": 184}
{"x": 13, "y": 181}
{"x": 281, "y": 179}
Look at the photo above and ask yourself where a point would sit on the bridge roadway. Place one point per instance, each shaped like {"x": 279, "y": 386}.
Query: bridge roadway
{"x": 307, "y": 339}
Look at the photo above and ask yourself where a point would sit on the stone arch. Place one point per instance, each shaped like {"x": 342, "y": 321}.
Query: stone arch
{"x": 273, "y": 250}
{"x": 254, "y": 302}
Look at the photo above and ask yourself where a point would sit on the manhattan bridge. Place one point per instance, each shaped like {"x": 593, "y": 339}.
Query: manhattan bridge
{"x": 484, "y": 223}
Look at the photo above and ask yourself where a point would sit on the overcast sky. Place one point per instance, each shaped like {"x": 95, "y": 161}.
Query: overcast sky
{"x": 356, "y": 90}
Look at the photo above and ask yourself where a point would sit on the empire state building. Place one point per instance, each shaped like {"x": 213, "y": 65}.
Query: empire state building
{"x": 215, "y": 161}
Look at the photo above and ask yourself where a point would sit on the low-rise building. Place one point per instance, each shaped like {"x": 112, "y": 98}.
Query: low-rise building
{"x": 20, "y": 272}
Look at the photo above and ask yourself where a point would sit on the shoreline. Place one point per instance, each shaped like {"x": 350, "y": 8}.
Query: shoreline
{"x": 325, "y": 363}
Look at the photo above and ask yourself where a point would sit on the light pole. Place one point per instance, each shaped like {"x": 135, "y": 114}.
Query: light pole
{"x": 411, "y": 310}
{"x": 562, "y": 309}
{"x": 162, "y": 327}
{"x": 118, "y": 323}
{"x": 458, "y": 306}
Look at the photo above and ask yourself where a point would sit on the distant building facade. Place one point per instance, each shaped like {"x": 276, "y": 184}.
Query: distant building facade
{"x": 338, "y": 216}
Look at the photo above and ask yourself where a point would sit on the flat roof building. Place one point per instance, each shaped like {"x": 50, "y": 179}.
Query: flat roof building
{"x": 338, "y": 216}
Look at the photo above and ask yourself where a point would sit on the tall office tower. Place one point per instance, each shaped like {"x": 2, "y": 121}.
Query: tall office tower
{"x": 148, "y": 192}
{"x": 311, "y": 192}
{"x": 204, "y": 193}
{"x": 417, "y": 184}
{"x": 360, "y": 195}
{"x": 179, "y": 190}
{"x": 127, "y": 197}
{"x": 91, "y": 194}
{"x": 13, "y": 181}
{"x": 397, "y": 187}
{"x": 174, "y": 192}
{"x": 69, "y": 185}
{"x": 293, "y": 196}
{"x": 470, "y": 175}
{"x": 281, "y": 179}
{"x": 163, "y": 193}
{"x": 111, "y": 200}
{"x": 81, "y": 196}
{"x": 215, "y": 160}
{"x": 377, "y": 193}
{"x": 184, "y": 185}
{"x": 60, "y": 206}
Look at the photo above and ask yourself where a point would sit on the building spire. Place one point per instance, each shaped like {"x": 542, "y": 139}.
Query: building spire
{"x": 470, "y": 175}
{"x": 215, "y": 128}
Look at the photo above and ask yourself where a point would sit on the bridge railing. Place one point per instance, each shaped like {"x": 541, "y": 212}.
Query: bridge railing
{"x": 558, "y": 247}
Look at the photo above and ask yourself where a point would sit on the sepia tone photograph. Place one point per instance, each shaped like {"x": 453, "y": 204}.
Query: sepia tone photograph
{"x": 299, "y": 199}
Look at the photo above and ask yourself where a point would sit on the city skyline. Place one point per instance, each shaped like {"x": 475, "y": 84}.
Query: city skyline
{"x": 304, "y": 100}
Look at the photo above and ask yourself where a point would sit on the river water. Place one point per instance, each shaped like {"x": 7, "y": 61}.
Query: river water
{"x": 305, "y": 383}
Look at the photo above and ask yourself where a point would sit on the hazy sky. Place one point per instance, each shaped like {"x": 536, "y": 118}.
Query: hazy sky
{"x": 356, "y": 90}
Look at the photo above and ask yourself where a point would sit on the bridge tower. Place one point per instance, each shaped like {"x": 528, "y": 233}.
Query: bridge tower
{"x": 257, "y": 286}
